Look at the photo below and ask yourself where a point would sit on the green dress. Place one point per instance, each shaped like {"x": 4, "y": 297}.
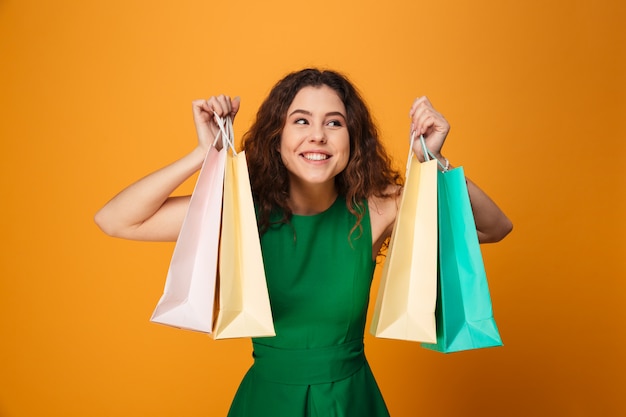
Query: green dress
{"x": 319, "y": 279}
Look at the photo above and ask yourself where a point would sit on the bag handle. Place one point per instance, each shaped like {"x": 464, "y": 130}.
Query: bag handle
{"x": 428, "y": 155}
{"x": 225, "y": 125}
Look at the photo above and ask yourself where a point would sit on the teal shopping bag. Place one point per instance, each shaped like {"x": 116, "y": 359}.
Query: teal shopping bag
{"x": 463, "y": 313}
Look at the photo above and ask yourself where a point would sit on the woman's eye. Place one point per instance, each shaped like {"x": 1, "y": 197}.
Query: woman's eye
{"x": 335, "y": 123}
{"x": 301, "y": 121}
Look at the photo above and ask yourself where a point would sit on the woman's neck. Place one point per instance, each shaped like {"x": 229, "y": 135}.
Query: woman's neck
{"x": 311, "y": 199}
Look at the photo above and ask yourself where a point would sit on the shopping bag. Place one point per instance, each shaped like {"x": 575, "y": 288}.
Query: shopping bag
{"x": 405, "y": 305}
{"x": 188, "y": 299}
{"x": 464, "y": 310}
{"x": 244, "y": 306}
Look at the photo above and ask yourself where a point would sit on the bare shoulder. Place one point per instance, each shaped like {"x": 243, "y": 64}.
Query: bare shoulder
{"x": 383, "y": 211}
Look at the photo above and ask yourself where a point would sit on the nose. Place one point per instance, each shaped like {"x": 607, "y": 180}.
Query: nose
{"x": 318, "y": 135}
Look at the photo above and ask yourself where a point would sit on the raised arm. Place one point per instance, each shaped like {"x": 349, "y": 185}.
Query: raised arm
{"x": 145, "y": 210}
{"x": 492, "y": 224}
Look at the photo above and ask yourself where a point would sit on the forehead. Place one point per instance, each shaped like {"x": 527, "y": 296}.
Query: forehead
{"x": 321, "y": 98}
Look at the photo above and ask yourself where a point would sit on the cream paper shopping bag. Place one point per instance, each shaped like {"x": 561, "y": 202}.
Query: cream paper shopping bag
{"x": 188, "y": 299}
{"x": 244, "y": 306}
{"x": 407, "y": 295}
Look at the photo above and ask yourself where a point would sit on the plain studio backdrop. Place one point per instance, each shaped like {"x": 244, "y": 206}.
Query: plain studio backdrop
{"x": 96, "y": 94}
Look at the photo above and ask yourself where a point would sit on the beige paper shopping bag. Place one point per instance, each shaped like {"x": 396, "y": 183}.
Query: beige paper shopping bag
{"x": 244, "y": 306}
{"x": 188, "y": 299}
{"x": 407, "y": 295}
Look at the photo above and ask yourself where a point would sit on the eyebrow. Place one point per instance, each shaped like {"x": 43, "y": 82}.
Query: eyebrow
{"x": 308, "y": 113}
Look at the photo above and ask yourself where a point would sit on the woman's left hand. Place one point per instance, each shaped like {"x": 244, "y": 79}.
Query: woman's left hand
{"x": 426, "y": 121}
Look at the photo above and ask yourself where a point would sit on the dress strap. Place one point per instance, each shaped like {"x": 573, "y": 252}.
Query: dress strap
{"x": 308, "y": 366}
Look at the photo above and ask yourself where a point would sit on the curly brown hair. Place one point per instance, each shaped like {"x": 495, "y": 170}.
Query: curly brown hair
{"x": 369, "y": 171}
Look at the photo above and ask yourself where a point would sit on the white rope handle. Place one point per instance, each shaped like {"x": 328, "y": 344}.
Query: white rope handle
{"x": 427, "y": 154}
{"x": 225, "y": 125}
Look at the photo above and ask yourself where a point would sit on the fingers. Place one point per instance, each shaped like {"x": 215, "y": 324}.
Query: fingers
{"x": 234, "y": 105}
{"x": 425, "y": 119}
{"x": 221, "y": 105}
{"x": 419, "y": 102}
{"x": 205, "y": 112}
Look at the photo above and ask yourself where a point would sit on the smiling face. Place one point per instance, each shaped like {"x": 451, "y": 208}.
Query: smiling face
{"x": 315, "y": 144}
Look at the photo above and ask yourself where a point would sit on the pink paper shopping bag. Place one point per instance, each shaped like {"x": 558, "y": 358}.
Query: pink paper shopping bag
{"x": 189, "y": 296}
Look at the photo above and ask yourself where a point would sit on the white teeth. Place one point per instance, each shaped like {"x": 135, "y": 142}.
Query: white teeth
{"x": 315, "y": 156}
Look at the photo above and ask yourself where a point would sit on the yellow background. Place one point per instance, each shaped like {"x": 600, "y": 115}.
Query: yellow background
{"x": 95, "y": 94}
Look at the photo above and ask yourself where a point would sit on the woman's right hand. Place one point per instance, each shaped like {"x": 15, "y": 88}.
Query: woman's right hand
{"x": 204, "y": 112}
{"x": 146, "y": 209}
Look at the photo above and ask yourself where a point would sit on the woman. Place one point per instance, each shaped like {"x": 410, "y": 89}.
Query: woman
{"x": 327, "y": 199}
